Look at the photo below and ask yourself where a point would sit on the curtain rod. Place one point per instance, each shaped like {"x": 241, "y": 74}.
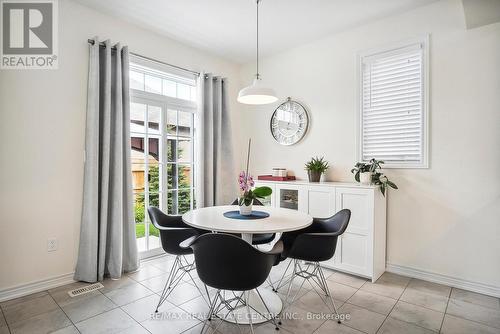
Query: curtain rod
{"x": 92, "y": 42}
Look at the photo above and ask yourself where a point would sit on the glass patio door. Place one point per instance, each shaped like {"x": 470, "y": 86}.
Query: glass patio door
{"x": 162, "y": 157}
{"x": 147, "y": 156}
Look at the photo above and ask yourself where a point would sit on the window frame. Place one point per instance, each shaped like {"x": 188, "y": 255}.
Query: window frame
{"x": 393, "y": 48}
{"x": 167, "y": 103}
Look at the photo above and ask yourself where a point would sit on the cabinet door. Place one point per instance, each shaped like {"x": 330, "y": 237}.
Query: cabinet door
{"x": 355, "y": 247}
{"x": 321, "y": 201}
{"x": 291, "y": 197}
{"x": 269, "y": 200}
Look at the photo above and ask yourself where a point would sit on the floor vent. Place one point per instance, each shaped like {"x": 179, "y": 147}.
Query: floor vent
{"x": 85, "y": 289}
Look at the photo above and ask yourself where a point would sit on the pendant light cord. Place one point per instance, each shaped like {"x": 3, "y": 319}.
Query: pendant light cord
{"x": 257, "y": 76}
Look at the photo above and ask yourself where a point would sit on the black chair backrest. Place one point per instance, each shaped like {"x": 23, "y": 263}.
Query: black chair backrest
{"x": 226, "y": 262}
{"x": 335, "y": 224}
{"x": 255, "y": 202}
{"x": 173, "y": 231}
{"x": 319, "y": 241}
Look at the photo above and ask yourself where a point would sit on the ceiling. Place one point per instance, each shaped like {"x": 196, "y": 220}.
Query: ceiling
{"x": 227, "y": 27}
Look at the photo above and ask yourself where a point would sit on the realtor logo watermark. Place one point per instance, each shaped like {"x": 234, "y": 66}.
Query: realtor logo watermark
{"x": 29, "y": 34}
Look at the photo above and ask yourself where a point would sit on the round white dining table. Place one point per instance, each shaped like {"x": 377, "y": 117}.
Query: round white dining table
{"x": 279, "y": 220}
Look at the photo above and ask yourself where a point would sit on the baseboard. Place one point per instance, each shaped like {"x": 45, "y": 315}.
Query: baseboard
{"x": 54, "y": 282}
{"x": 484, "y": 289}
{"x": 33, "y": 287}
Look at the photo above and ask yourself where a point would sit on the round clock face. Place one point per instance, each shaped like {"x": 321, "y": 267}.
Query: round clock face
{"x": 289, "y": 123}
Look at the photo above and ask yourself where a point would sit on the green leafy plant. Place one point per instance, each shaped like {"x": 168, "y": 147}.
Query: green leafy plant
{"x": 319, "y": 165}
{"x": 378, "y": 178}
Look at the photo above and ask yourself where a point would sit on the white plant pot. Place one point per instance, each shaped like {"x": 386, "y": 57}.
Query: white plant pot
{"x": 365, "y": 178}
{"x": 246, "y": 210}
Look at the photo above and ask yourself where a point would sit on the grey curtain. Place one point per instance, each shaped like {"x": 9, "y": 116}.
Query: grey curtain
{"x": 107, "y": 232}
{"x": 218, "y": 178}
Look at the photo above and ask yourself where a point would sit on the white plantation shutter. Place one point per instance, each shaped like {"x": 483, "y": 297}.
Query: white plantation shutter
{"x": 393, "y": 107}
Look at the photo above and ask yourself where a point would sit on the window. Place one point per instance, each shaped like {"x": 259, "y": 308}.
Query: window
{"x": 162, "y": 128}
{"x": 393, "y": 106}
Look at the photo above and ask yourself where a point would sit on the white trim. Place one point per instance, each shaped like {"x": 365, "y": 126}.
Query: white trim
{"x": 172, "y": 102}
{"x": 166, "y": 71}
{"x": 36, "y": 286}
{"x": 424, "y": 41}
{"x": 158, "y": 254}
{"x": 482, "y": 288}
{"x": 151, "y": 254}
{"x": 60, "y": 280}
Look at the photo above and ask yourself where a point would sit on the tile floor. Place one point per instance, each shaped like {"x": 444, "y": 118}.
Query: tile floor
{"x": 394, "y": 304}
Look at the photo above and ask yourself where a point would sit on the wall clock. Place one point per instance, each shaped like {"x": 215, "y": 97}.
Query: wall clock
{"x": 289, "y": 122}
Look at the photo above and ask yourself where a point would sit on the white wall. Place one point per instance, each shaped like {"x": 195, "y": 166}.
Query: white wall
{"x": 445, "y": 219}
{"x": 42, "y": 125}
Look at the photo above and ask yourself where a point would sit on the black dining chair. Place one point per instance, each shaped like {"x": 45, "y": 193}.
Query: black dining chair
{"x": 259, "y": 239}
{"x": 310, "y": 246}
{"x": 172, "y": 232}
{"x": 226, "y": 262}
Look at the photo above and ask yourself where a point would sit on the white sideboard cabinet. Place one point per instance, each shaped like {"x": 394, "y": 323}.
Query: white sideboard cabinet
{"x": 361, "y": 249}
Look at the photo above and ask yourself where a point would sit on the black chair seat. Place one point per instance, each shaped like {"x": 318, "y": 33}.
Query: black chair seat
{"x": 227, "y": 262}
{"x": 315, "y": 244}
{"x": 260, "y": 239}
{"x": 173, "y": 231}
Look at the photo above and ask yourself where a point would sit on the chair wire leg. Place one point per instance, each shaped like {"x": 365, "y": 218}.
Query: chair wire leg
{"x": 247, "y": 297}
{"x": 329, "y": 294}
{"x": 210, "y": 312}
{"x": 230, "y": 310}
{"x": 282, "y": 277}
{"x": 286, "y": 304}
{"x": 291, "y": 281}
{"x": 273, "y": 316}
{"x": 300, "y": 287}
{"x": 196, "y": 285}
{"x": 271, "y": 283}
{"x": 176, "y": 279}
{"x": 167, "y": 283}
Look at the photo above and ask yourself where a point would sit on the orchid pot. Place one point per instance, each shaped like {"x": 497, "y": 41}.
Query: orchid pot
{"x": 245, "y": 209}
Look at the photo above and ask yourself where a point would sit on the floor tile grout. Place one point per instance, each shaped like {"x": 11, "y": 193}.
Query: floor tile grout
{"x": 355, "y": 289}
{"x": 74, "y": 325}
{"x": 137, "y": 322}
{"x": 445, "y": 310}
{"x": 5, "y": 319}
{"x": 393, "y": 306}
{"x": 35, "y": 315}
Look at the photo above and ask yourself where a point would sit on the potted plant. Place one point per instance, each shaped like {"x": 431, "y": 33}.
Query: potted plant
{"x": 315, "y": 167}
{"x": 248, "y": 194}
{"x": 369, "y": 173}
{"x": 364, "y": 171}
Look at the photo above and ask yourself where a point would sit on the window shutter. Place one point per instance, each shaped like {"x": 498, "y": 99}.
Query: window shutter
{"x": 392, "y": 107}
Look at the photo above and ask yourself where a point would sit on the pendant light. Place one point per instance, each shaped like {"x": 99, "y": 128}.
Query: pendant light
{"x": 256, "y": 93}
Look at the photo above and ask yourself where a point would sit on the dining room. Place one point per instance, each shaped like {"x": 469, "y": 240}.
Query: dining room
{"x": 250, "y": 166}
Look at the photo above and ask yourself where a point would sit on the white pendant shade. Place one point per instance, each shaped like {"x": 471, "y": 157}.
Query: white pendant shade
{"x": 257, "y": 94}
